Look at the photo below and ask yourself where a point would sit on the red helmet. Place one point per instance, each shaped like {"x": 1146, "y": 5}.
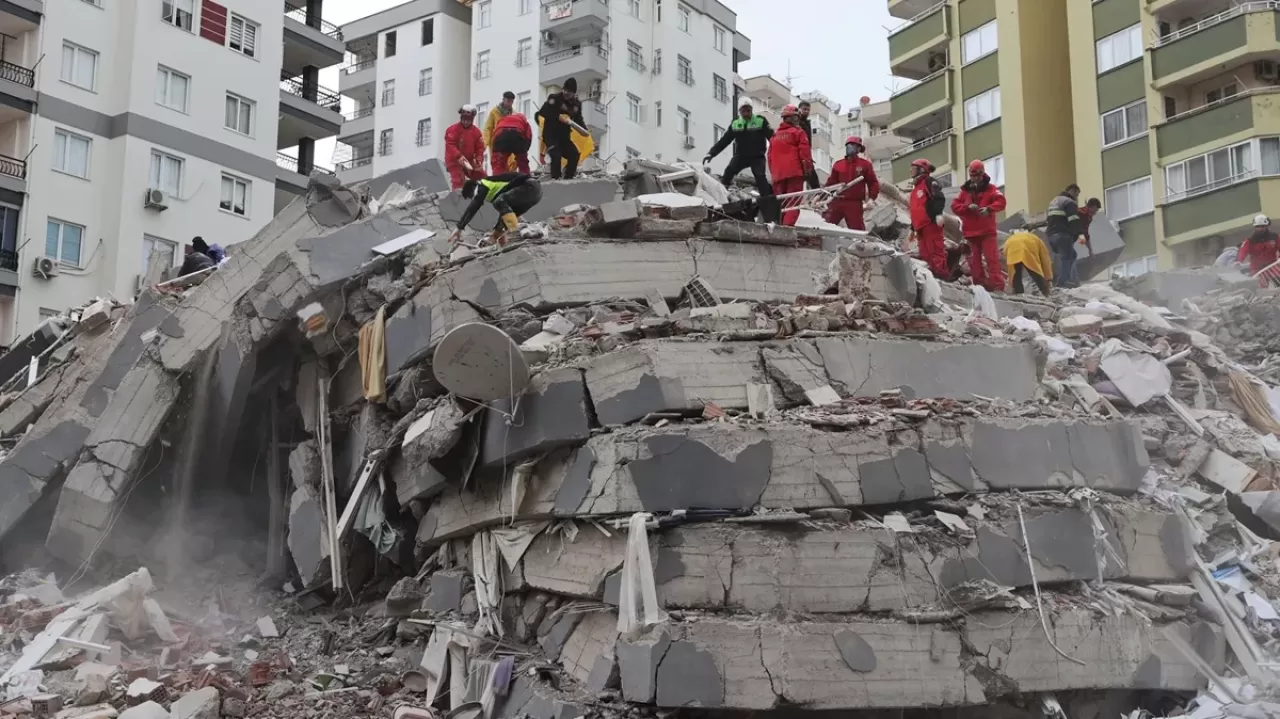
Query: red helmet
{"x": 790, "y": 110}
{"x": 923, "y": 164}
{"x": 854, "y": 140}
{"x": 977, "y": 166}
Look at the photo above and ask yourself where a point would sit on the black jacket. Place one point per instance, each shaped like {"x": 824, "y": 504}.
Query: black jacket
{"x": 195, "y": 262}
{"x": 513, "y": 180}
{"x": 1064, "y": 218}
{"x": 749, "y": 142}
{"x": 807, "y": 126}
{"x": 553, "y": 130}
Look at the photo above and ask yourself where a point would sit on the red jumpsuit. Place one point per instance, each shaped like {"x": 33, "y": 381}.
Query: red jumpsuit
{"x": 505, "y": 145}
{"x": 463, "y": 143}
{"x": 1262, "y": 249}
{"x": 926, "y": 204}
{"x": 790, "y": 160}
{"x": 848, "y": 206}
{"x": 980, "y": 230}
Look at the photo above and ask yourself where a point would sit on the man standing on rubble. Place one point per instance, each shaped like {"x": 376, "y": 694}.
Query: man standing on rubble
{"x": 1065, "y": 229}
{"x": 927, "y": 203}
{"x": 464, "y": 148}
{"x": 512, "y": 195}
{"x": 1261, "y": 247}
{"x": 559, "y": 113}
{"x": 977, "y": 205}
{"x": 849, "y": 205}
{"x": 790, "y": 159}
{"x": 499, "y": 111}
{"x": 810, "y": 178}
{"x": 512, "y": 137}
{"x": 750, "y": 135}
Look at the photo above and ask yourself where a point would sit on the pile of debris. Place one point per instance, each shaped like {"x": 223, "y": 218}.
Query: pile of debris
{"x": 649, "y": 457}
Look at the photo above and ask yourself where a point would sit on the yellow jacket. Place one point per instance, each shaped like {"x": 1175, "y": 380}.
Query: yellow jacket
{"x": 1024, "y": 248}
{"x": 491, "y": 122}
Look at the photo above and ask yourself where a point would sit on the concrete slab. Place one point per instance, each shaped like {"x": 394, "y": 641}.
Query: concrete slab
{"x": 556, "y": 195}
{"x": 864, "y": 366}
{"x": 553, "y": 412}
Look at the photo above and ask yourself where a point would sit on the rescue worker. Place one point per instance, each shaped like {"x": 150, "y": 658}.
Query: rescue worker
{"x": 464, "y": 148}
{"x": 926, "y": 204}
{"x": 557, "y": 112}
{"x": 1028, "y": 255}
{"x": 194, "y": 262}
{"x": 499, "y": 111}
{"x": 513, "y": 136}
{"x": 512, "y": 195}
{"x": 849, "y": 205}
{"x": 1087, "y": 213}
{"x": 977, "y": 205}
{"x": 790, "y": 159}
{"x": 811, "y": 178}
{"x": 214, "y": 251}
{"x": 750, "y": 135}
{"x": 1261, "y": 247}
{"x": 1065, "y": 229}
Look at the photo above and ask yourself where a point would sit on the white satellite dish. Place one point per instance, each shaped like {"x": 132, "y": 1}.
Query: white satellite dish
{"x": 480, "y": 362}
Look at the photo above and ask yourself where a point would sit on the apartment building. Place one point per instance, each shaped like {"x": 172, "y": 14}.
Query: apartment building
{"x": 658, "y": 79}
{"x": 129, "y": 127}
{"x": 870, "y": 121}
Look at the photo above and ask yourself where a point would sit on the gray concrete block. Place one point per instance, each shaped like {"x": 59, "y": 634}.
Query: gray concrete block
{"x": 864, "y": 366}
{"x": 590, "y": 642}
{"x": 199, "y": 704}
{"x": 688, "y": 677}
{"x": 553, "y": 412}
{"x": 307, "y": 540}
{"x": 577, "y": 568}
{"x": 446, "y": 592}
{"x": 638, "y": 661}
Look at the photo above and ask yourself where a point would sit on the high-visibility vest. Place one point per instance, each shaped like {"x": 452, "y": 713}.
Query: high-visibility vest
{"x": 755, "y": 123}
{"x": 492, "y": 188}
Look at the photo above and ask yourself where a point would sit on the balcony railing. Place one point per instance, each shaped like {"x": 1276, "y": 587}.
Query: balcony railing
{"x": 359, "y": 65}
{"x": 319, "y": 23}
{"x": 559, "y": 55}
{"x": 322, "y": 96}
{"x": 354, "y": 163}
{"x": 357, "y": 113}
{"x": 291, "y": 164}
{"x": 17, "y": 73}
{"x": 918, "y": 17}
{"x": 1235, "y": 11}
{"x": 921, "y": 144}
{"x": 13, "y": 167}
{"x": 1209, "y": 187}
{"x": 9, "y": 260}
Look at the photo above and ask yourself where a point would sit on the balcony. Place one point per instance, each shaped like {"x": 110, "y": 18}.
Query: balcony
{"x": 572, "y": 20}
{"x": 1230, "y": 120}
{"x": 357, "y": 77}
{"x": 13, "y": 174}
{"x": 306, "y": 110}
{"x": 17, "y": 91}
{"x": 918, "y": 48}
{"x": 922, "y": 103}
{"x": 292, "y": 180}
{"x": 938, "y": 149}
{"x": 356, "y": 122}
{"x": 1241, "y": 34}
{"x": 309, "y": 40}
{"x": 19, "y": 16}
{"x": 1222, "y": 210}
{"x": 585, "y": 62}
{"x": 907, "y": 9}
{"x": 596, "y": 114}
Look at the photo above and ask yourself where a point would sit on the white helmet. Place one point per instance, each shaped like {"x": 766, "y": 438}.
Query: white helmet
{"x": 1261, "y": 221}
{"x": 467, "y": 109}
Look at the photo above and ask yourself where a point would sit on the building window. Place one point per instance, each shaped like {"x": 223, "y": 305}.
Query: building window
{"x": 978, "y": 43}
{"x": 172, "y": 89}
{"x": 235, "y": 195}
{"x": 635, "y": 56}
{"x": 62, "y": 241}
{"x": 718, "y": 38}
{"x": 1134, "y": 268}
{"x": 71, "y": 154}
{"x": 524, "y": 101}
{"x": 657, "y": 114}
{"x": 482, "y": 65}
{"x": 657, "y": 61}
{"x": 1130, "y": 199}
{"x": 178, "y": 13}
{"x": 425, "y": 81}
{"x": 524, "y": 52}
{"x": 721, "y": 88}
{"x": 428, "y": 33}
{"x": 995, "y": 169}
{"x": 526, "y": 6}
{"x": 239, "y": 115}
{"x": 485, "y": 13}
{"x": 152, "y": 245}
{"x": 1269, "y": 148}
{"x": 683, "y": 17}
{"x": 686, "y": 122}
{"x": 716, "y": 132}
{"x": 1229, "y": 90}
{"x": 388, "y": 93}
{"x": 48, "y": 314}
{"x": 242, "y": 36}
{"x": 482, "y": 110}
{"x": 633, "y": 7}
{"x": 1119, "y": 48}
{"x": 633, "y": 108}
{"x": 385, "y": 141}
{"x": 79, "y": 66}
{"x": 389, "y": 44}
{"x": 684, "y": 70}
{"x": 982, "y": 108}
{"x": 633, "y": 153}
{"x": 424, "y": 132}
{"x": 166, "y": 173}
{"x": 1216, "y": 169}
{"x": 1124, "y": 124}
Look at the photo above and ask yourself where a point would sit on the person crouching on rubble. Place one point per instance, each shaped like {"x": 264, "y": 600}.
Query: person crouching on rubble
{"x": 195, "y": 261}
{"x": 927, "y": 203}
{"x": 512, "y": 137}
{"x": 1027, "y": 254}
{"x": 512, "y": 195}
{"x": 977, "y": 205}
{"x": 850, "y": 204}
{"x": 790, "y": 159}
{"x": 464, "y": 148}
{"x": 1261, "y": 247}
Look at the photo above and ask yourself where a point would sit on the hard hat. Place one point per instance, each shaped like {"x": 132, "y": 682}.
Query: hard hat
{"x": 977, "y": 166}
{"x": 790, "y": 110}
{"x": 467, "y": 110}
{"x": 854, "y": 140}
{"x": 745, "y": 103}
{"x": 923, "y": 164}
{"x": 1261, "y": 221}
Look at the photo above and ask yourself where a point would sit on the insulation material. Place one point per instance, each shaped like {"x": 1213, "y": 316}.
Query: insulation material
{"x": 637, "y": 581}
{"x": 484, "y": 560}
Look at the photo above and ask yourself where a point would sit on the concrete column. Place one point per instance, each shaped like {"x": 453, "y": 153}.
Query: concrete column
{"x": 310, "y": 82}
{"x": 306, "y": 155}
{"x": 314, "y": 13}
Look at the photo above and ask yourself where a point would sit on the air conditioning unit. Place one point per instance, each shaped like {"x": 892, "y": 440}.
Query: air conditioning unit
{"x": 1266, "y": 70}
{"x": 689, "y": 144}
{"x": 155, "y": 200}
{"x": 45, "y": 267}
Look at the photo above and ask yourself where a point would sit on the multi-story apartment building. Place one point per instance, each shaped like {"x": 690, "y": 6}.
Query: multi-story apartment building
{"x": 870, "y": 121}
{"x": 658, "y": 79}
{"x": 129, "y": 127}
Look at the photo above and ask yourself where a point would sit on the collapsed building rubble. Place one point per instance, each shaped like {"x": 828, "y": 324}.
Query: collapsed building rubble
{"x": 700, "y": 464}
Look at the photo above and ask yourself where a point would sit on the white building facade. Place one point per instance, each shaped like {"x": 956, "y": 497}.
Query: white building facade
{"x": 146, "y": 123}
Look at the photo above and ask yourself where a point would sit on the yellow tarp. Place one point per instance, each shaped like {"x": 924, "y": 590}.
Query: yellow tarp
{"x": 584, "y": 143}
{"x": 373, "y": 356}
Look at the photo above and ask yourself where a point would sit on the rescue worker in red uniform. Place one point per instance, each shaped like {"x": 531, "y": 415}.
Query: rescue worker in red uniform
{"x": 1261, "y": 247}
{"x": 848, "y": 206}
{"x": 927, "y": 203}
{"x": 512, "y": 135}
{"x": 977, "y": 205}
{"x": 790, "y": 159}
{"x": 464, "y": 148}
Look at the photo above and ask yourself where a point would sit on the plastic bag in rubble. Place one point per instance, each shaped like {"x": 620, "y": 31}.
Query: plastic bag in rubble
{"x": 930, "y": 288}
{"x": 982, "y": 303}
{"x": 637, "y": 581}
{"x": 1057, "y": 348}
{"x": 1022, "y": 323}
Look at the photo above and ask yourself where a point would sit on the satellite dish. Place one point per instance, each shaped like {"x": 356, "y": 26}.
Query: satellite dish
{"x": 480, "y": 362}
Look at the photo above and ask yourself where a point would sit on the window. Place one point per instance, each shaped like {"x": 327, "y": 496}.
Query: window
{"x": 635, "y": 56}
{"x": 1119, "y": 48}
{"x": 633, "y": 7}
{"x": 1209, "y": 172}
{"x": 425, "y": 81}
{"x": 1124, "y": 124}
{"x": 684, "y": 70}
{"x": 524, "y": 52}
{"x": 485, "y": 13}
{"x": 1134, "y": 268}
{"x": 1219, "y": 94}
{"x": 79, "y": 66}
{"x": 385, "y": 141}
{"x": 388, "y": 92}
{"x": 235, "y": 195}
{"x": 978, "y": 43}
{"x": 178, "y": 13}
{"x": 1170, "y": 107}
{"x": 633, "y": 108}
{"x": 48, "y": 314}
{"x": 166, "y": 173}
{"x": 686, "y": 123}
{"x": 995, "y": 169}
{"x": 424, "y": 132}
{"x": 657, "y": 61}
{"x": 62, "y": 241}
{"x": 526, "y": 6}
{"x": 632, "y": 153}
{"x": 152, "y": 245}
{"x": 71, "y": 154}
{"x": 682, "y": 17}
{"x": 239, "y": 115}
{"x": 482, "y": 110}
{"x": 1129, "y": 200}
{"x": 718, "y": 38}
{"x": 172, "y": 89}
{"x": 982, "y": 108}
{"x": 389, "y": 44}
{"x": 716, "y": 132}
{"x": 657, "y": 113}
{"x": 721, "y": 90}
{"x": 242, "y": 35}
{"x": 1270, "y": 151}
{"x": 482, "y": 64}
{"x": 524, "y": 101}
{"x": 429, "y": 30}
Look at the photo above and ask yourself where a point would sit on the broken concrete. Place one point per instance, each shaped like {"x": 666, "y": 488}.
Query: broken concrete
{"x": 553, "y": 412}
